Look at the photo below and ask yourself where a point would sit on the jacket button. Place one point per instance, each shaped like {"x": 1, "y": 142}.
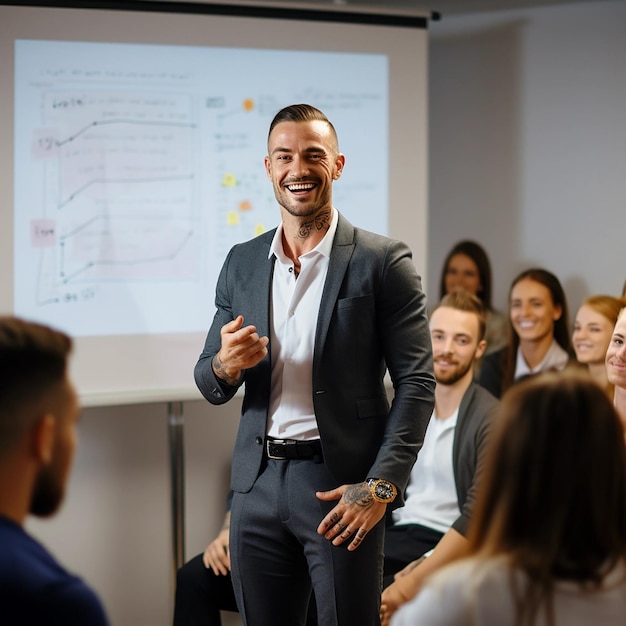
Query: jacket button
{"x": 259, "y": 440}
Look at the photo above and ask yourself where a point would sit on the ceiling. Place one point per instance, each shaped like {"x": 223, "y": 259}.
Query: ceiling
{"x": 443, "y": 7}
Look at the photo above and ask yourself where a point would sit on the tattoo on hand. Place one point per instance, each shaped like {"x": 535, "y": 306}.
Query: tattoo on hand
{"x": 359, "y": 538}
{"x": 358, "y": 494}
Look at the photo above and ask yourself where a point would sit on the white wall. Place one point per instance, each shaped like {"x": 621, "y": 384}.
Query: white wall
{"x": 528, "y": 143}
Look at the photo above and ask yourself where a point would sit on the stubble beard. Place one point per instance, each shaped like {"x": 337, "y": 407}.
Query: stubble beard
{"x": 316, "y": 217}
{"x": 453, "y": 377}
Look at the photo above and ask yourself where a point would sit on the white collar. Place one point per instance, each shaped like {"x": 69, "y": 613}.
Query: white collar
{"x": 556, "y": 359}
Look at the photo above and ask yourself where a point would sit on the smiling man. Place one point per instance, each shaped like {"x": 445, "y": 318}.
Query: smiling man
{"x": 442, "y": 487}
{"x": 309, "y": 317}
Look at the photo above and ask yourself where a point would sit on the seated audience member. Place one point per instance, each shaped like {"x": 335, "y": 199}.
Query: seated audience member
{"x": 538, "y": 328}
{"x": 548, "y": 537}
{"x": 442, "y": 486}
{"x": 203, "y": 584}
{"x": 593, "y": 327}
{"x": 467, "y": 267}
{"x": 616, "y": 365}
{"x": 38, "y": 414}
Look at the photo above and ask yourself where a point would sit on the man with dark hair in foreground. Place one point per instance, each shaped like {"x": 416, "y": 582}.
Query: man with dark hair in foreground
{"x": 38, "y": 415}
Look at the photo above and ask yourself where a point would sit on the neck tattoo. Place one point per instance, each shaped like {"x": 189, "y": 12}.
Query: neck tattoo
{"x": 319, "y": 222}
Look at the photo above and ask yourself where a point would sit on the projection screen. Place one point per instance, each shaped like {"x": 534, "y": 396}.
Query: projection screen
{"x": 131, "y": 160}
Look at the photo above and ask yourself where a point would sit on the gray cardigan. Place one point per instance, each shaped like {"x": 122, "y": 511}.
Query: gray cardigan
{"x": 470, "y": 438}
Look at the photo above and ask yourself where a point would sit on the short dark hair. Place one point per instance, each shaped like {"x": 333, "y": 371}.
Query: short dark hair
{"x": 477, "y": 253}
{"x": 33, "y": 362}
{"x": 463, "y": 300}
{"x": 302, "y": 113}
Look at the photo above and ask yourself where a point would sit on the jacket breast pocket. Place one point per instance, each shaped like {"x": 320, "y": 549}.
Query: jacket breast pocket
{"x": 356, "y": 302}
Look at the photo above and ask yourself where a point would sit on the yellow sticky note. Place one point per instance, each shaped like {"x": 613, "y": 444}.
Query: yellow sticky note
{"x": 229, "y": 180}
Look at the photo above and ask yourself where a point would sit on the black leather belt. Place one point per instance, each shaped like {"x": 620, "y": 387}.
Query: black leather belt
{"x": 283, "y": 449}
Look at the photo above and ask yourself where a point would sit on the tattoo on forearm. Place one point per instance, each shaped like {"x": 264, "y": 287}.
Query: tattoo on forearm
{"x": 358, "y": 494}
{"x": 320, "y": 221}
{"x": 220, "y": 372}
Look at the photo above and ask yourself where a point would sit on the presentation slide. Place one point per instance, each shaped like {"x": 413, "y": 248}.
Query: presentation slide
{"x": 138, "y": 166}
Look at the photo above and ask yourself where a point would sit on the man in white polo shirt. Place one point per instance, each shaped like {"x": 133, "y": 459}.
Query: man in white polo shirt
{"x": 442, "y": 486}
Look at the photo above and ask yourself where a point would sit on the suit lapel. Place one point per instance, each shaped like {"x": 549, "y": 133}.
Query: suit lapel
{"x": 261, "y": 287}
{"x": 343, "y": 247}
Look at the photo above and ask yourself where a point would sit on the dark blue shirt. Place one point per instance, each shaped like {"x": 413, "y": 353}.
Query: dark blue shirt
{"x": 36, "y": 591}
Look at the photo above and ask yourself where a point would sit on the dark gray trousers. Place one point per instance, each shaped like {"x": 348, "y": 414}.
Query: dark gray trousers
{"x": 276, "y": 553}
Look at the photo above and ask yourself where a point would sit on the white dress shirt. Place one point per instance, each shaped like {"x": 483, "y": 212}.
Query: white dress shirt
{"x": 295, "y": 304}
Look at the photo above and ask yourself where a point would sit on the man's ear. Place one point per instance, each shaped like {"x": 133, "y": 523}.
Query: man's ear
{"x": 480, "y": 349}
{"x": 340, "y": 161}
{"x": 42, "y": 437}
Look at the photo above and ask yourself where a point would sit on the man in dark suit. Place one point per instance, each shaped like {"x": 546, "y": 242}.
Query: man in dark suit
{"x": 309, "y": 317}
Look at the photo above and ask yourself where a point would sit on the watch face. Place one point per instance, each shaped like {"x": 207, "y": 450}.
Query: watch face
{"x": 384, "y": 490}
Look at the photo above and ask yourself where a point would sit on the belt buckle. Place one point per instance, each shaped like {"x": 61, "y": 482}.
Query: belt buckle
{"x": 269, "y": 443}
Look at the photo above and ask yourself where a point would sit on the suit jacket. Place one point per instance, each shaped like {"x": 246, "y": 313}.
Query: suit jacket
{"x": 470, "y": 437}
{"x": 372, "y": 316}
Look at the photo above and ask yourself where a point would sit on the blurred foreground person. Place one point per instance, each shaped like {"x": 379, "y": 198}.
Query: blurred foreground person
{"x": 38, "y": 414}
{"x": 548, "y": 539}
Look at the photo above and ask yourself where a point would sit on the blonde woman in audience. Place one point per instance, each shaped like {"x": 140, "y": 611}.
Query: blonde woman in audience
{"x": 616, "y": 365}
{"x": 593, "y": 328}
{"x": 467, "y": 267}
{"x": 538, "y": 329}
{"x": 548, "y": 540}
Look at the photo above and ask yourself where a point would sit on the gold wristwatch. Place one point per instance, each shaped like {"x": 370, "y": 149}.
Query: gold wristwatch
{"x": 382, "y": 490}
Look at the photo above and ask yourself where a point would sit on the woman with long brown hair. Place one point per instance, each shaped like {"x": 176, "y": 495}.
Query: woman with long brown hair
{"x": 548, "y": 539}
{"x": 539, "y": 336}
{"x": 467, "y": 267}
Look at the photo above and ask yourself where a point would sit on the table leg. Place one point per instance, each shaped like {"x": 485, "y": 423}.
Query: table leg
{"x": 177, "y": 470}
